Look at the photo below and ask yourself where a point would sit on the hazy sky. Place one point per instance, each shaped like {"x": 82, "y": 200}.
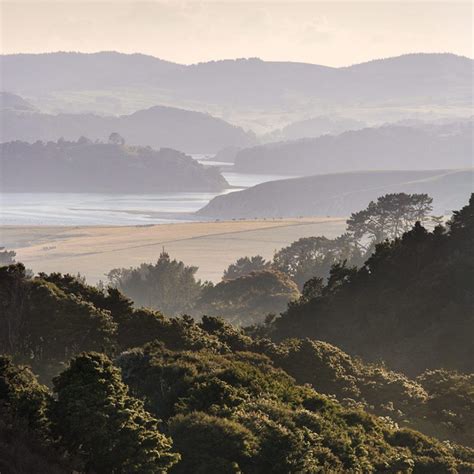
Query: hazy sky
{"x": 330, "y": 33}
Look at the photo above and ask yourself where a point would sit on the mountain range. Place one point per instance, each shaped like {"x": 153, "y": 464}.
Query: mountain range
{"x": 127, "y": 82}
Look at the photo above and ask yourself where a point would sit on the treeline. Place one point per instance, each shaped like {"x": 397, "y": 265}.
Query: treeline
{"x": 410, "y": 304}
{"x": 252, "y": 287}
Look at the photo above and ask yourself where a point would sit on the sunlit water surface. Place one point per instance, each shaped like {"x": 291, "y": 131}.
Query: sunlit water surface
{"x": 114, "y": 209}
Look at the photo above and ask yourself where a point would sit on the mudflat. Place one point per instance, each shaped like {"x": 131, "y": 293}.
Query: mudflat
{"x": 92, "y": 250}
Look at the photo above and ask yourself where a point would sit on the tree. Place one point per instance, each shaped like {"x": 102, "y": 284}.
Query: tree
{"x": 212, "y": 445}
{"x": 410, "y": 304}
{"x": 45, "y": 325}
{"x": 246, "y": 300}
{"x": 7, "y": 257}
{"x": 96, "y": 418}
{"x": 388, "y": 218}
{"x": 22, "y": 398}
{"x": 25, "y": 439}
{"x": 116, "y": 139}
{"x": 311, "y": 257}
{"x": 245, "y": 265}
{"x": 169, "y": 286}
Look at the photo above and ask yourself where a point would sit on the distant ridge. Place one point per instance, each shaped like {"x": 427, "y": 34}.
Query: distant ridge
{"x": 158, "y": 127}
{"x": 389, "y": 147}
{"x": 430, "y": 78}
{"x": 401, "y": 57}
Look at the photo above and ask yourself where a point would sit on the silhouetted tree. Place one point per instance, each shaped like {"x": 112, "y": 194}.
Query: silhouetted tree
{"x": 169, "y": 285}
{"x": 311, "y": 257}
{"x": 388, "y": 218}
{"x": 248, "y": 299}
{"x": 116, "y": 139}
{"x": 245, "y": 265}
{"x": 410, "y": 304}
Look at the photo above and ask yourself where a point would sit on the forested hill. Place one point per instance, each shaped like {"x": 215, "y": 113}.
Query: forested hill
{"x": 176, "y": 395}
{"x": 340, "y": 194}
{"x": 409, "y": 305}
{"x": 158, "y": 127}
{"x": 84, "y": 166}
{"x": 391, "y": 147}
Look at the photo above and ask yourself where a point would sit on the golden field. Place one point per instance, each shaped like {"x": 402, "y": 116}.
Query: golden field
{"x": 93, "y": 251}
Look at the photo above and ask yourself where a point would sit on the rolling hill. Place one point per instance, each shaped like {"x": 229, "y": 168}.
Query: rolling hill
{"x": 341, "y": 194}
{"x": 388, "y": 147}
{"x": 185, "y": 130}
{"x": 409, "y": 80}
{"x": 84, "y": 166}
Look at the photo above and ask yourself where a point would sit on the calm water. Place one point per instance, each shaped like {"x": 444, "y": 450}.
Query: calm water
{"x": 112, "y": 209}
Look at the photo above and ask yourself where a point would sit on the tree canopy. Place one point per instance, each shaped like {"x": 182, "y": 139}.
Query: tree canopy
{"x": 388, "y": 218}
{"x": 168, "y": 285}
{"x": 249, "y": 298}
{"x": 245, "y": 265}
{"x": 410, "y": 304}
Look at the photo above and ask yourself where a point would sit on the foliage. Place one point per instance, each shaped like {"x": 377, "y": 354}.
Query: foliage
{"x": 25, "y": 444}
{"x": 409, "y": 305}
{"x": 451, "y": 402}
{"x": 169, "y": 286}
{"x": 236, "y": 412}
{"x": 22, "y": 397}
{"x": 311, "y": 257}
{"x": 233, "y": 401}
{"x": 7, "y": 257}
{"x": 42, "y": 324}
{"x": 247, "y": 299}
{"x": 116, "y": 139}
{"x": 210, "y": 444}
{"x": 388, "y": 218}
{"x": 244, "y": 266}
{"x": 108, "y": 430}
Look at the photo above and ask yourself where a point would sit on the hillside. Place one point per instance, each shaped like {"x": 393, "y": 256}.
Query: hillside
{"x": 383, "y": 148}
{"x": 77, "y": 71}
{"x": 412, "y": 80}
{"x": 410, "y": 304}
{"x": 314, "y": 127}
{"x": 225, "y": 401}
{"x": 235, "y": 79}
{"x": 341, "y": 193}
{"x": 158, "y": 127}
{"x": 14, "y": 102}
{"x": 84, "y": 166}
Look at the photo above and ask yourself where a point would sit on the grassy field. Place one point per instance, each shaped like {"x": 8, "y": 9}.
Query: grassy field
{"x": 212, "y": 246}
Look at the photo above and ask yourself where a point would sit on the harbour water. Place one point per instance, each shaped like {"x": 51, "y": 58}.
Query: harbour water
{"x": 71, "y": 209}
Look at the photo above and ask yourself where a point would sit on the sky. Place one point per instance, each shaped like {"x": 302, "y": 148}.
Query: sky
{"x": 332, "y": 33}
